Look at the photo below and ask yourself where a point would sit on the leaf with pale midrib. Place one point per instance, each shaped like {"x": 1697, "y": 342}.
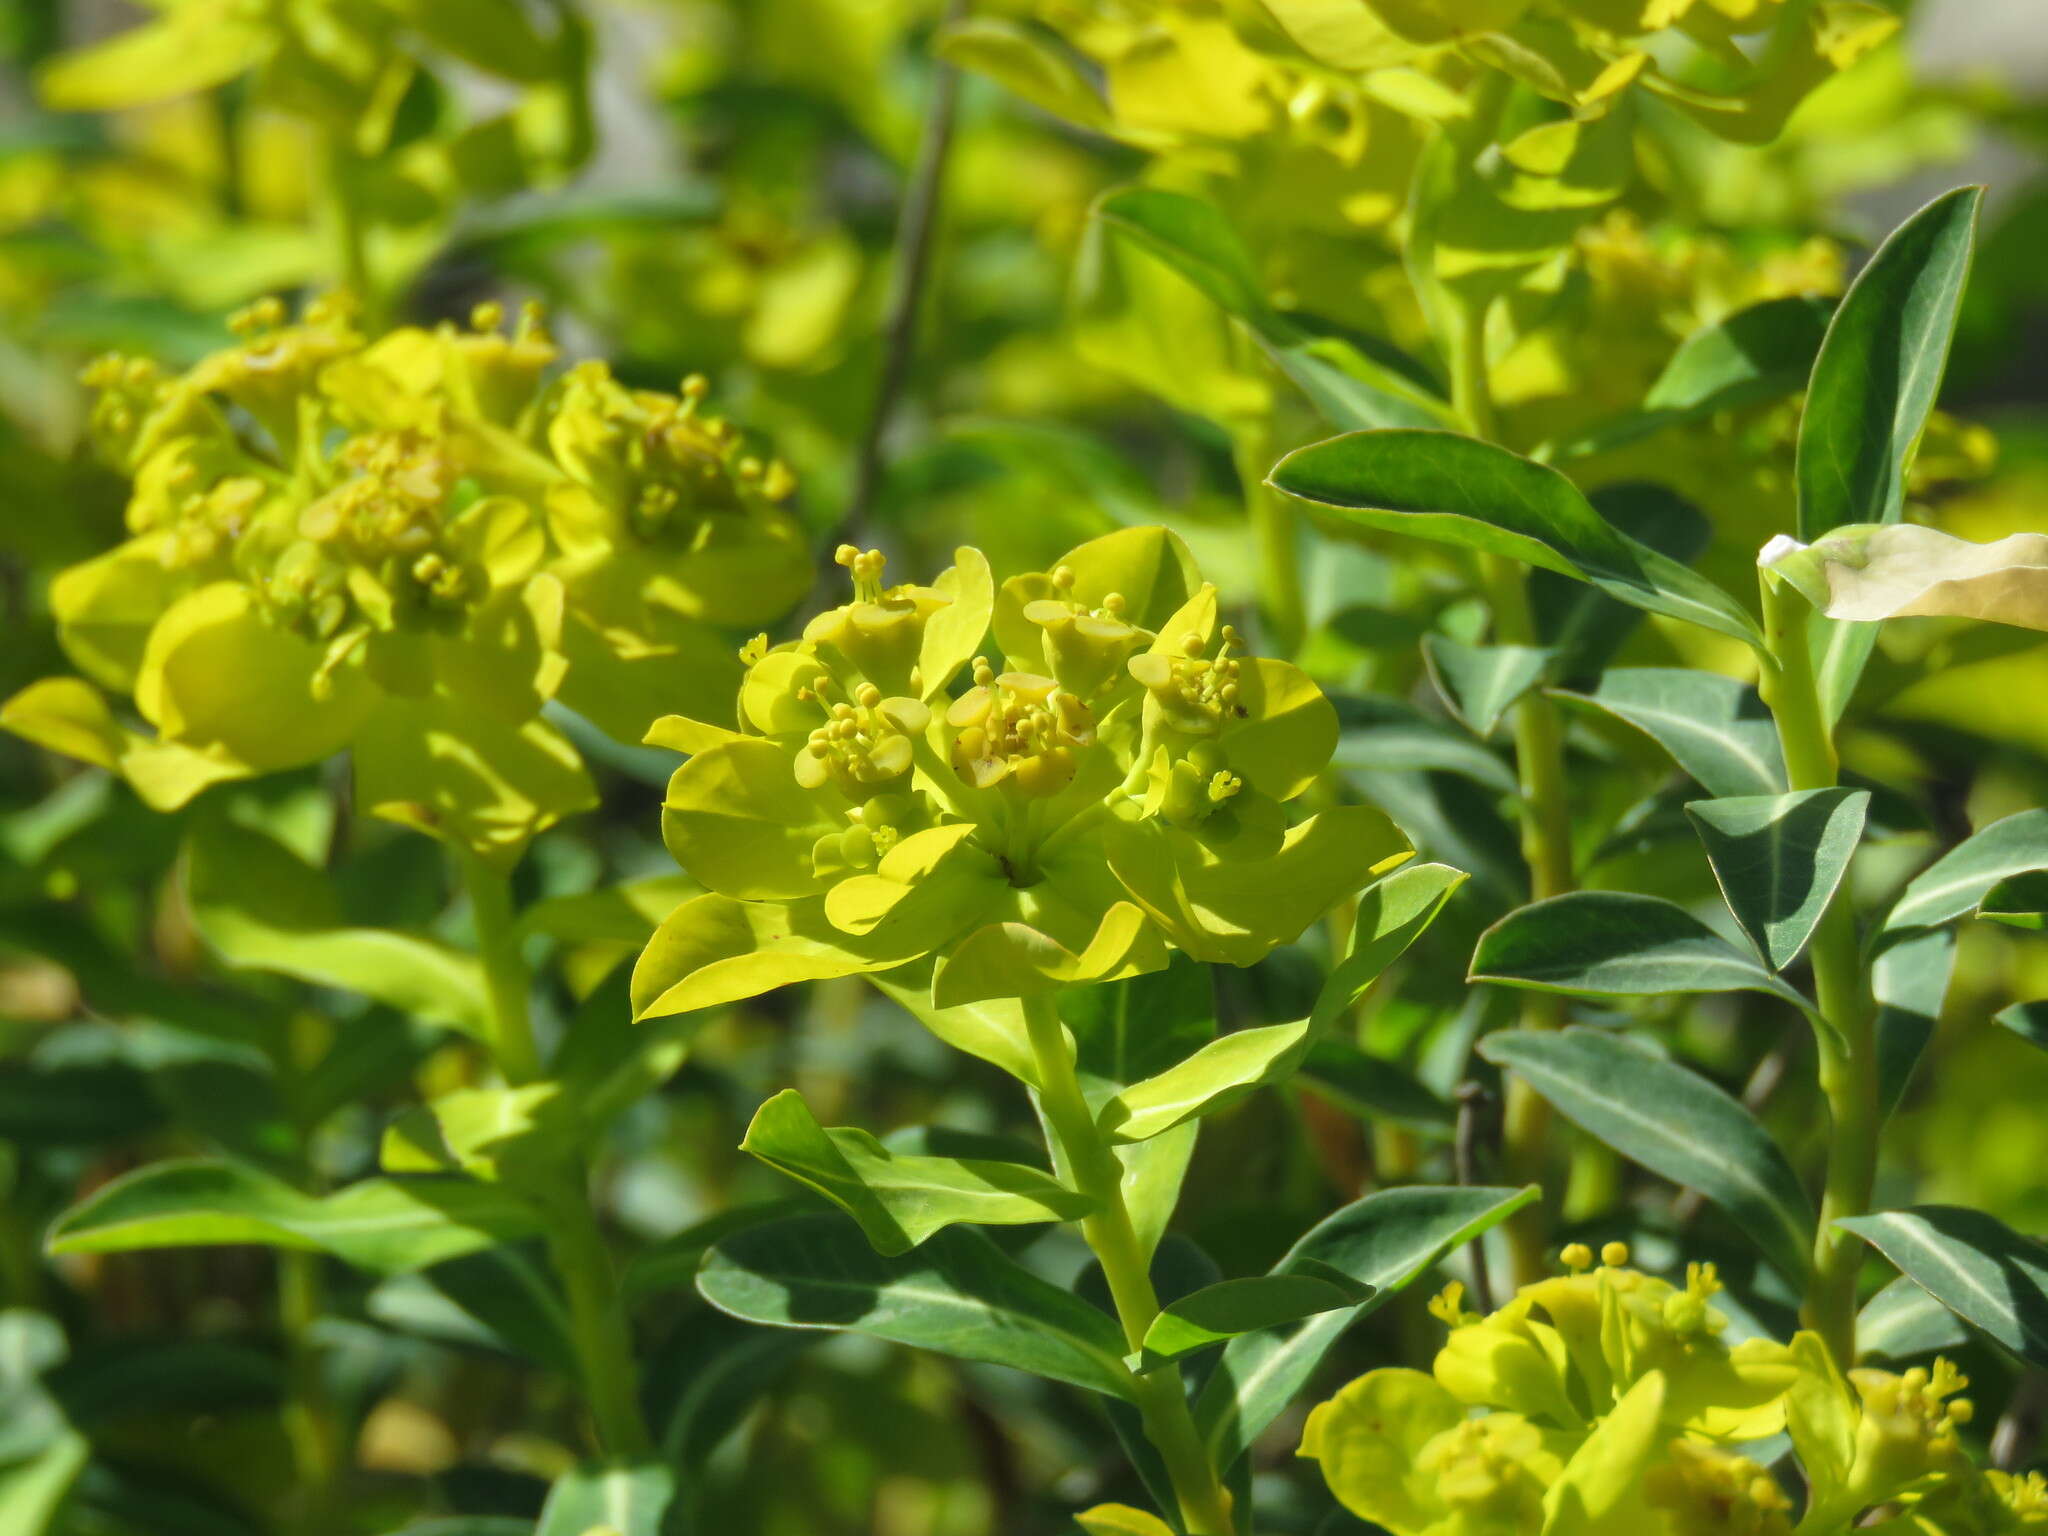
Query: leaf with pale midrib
{"x": 1780, "y": 859}
{"x": 1672, "y": 1121}
{"x": 956, "y": 1294}
{"x": 1974, "y": 1264}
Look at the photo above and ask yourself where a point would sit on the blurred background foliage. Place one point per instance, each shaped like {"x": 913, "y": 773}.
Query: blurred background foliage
{"x": 715, "y": 186}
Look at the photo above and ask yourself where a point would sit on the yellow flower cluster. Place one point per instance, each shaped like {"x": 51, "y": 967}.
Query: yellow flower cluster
{"x": 1108, "y": 780}
{"x": 407, "y": 546}
{"x": 1606, "y": 1402}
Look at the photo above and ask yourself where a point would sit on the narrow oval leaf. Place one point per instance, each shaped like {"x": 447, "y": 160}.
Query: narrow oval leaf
{"x": 1779, "y": 859}
{"x": 1220, "y": 1312}
{"x": 389, "y": 1225}
{"x": 1880, "y": 368}
{"x": 1673, "y": 1122}
{"x": 1756, "y": 354}
{"x": 1481, "y": 683}
{"x": 261, "y": 906}
{"x": 901, "y": 1198}
{"x": 1714, "y": 727}
{"x": 1617, "y": 944}
{"x": 1957, "y": 883}
{"x": 956, "y": 1294}
{"x": 1386, "y": 1240}
{"x": 1909, "y": 980}
{"x": 2029, "y": 1021}
{"x": 1458, "y": 490}
{"x": 630, "y": 1500}
{"x": 1375, "y": 1089}
{"x": 1392, "y": 914}
{"x": 1873, "y": 387}
{"x": 1973, "y": 1264}
{"x": 1351, "y": 388}
{"x": 1902, "y": 1321}
{"x": 1215, "y": 1077}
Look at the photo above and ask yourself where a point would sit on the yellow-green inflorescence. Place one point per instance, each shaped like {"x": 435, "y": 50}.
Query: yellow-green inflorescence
{"x": 1607, "y": 1402}
{"x": 1001, "y": 790}
{"x": 407, "y": 545}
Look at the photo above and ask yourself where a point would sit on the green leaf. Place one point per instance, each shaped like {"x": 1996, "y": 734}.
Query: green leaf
{"x": 1127, "y": 1030}
{"x": 1387, "y": 1240}
{"x": 1389, "y": 735}
{"x": 1673, "y": 1122}
{"x": 1374, "y": 1089}
{"x": 1902, "y": 1321}
{"x": 494, "y": 1300}
{"x": 1392, "y": 914}
{"x": 1617, "y": 944}
{"x": 1458, "y": 490}
{"x": 672, "y": 1263}
{"x": 1215, "y": 1077}
{"x": 1027, "y": 67}
{"x": 1481, "y": 683}
{"x": 957, "y": 1294}
{"x": 33, "y": 1491}
{"x": 1780, "y": 859}
{"x": 1583, "y": 624}
{"x": 1873, "y": 386}
{"x": 1973, "y": 1264}
{"x": 1957, "y": 883}
{"x": 630, "y": 1499}
{"x": 992, "y": 1029}
{"x": 1714, "y": 727}
{"x": 261, "y": 906}
{"x": 1351, "y": 388}
{"x": 377, "y": 1224}
{"x": 900, "y": 1199}
{"x": 1756, "y": 354}
{"x": 2029, "y": 1021}
{"x": 1879, "y": 369}
{"x": 1909, "y": 979}
{"x": 1217, "y": 1313}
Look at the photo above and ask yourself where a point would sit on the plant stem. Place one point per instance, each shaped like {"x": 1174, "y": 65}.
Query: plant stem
{"x": 346, "y": 227}
{"x": 1276, "y": 526}
{"x": 914, "y": 229}
{"x": 307, "y": 1423}
{"x": 1546, "y": 813}
{"x": 1097, "y": 1173}
{"x": 1847, "y": 1041}
{"x": 597, "y": 1315}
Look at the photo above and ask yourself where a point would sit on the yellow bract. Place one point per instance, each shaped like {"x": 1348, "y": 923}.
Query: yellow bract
{"x": 1604, "y": 1402}
{"x": 407, "y": 546}
{"x": 1107, "y": 784}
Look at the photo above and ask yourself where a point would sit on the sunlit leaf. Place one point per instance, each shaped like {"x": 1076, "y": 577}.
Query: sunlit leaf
{"x": 1459, "y": 490}
{"x": 900, "y": 1198}
{"x": 381, "y": 1224}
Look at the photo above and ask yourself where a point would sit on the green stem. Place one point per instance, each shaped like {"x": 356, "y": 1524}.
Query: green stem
{"x": 1093, "y": 1166}
{"x": 1847, "y": 1039}
{"x": 1546, "y": 812}
{"x": 1276, "y": 527}
{"x": 597, "y": 1315}
{"x": 346, "y": 227}
{"x": 308, "y": 1424}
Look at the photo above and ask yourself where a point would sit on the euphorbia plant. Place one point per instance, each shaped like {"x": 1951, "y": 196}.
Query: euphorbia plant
{"x": 992, "y": 838}
{"x": 408, "y": 546}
